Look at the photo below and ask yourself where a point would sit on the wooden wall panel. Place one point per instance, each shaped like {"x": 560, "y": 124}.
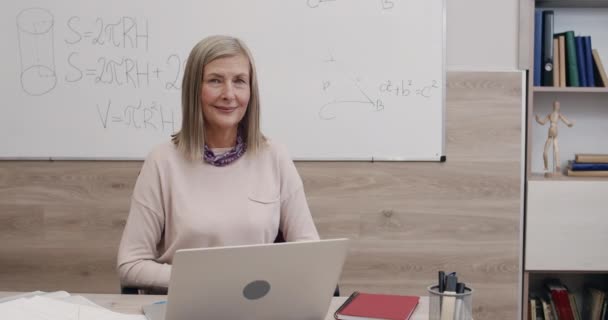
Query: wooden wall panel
{"x": 60, "y": 222}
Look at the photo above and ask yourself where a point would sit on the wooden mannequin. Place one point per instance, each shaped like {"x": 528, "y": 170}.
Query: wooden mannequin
{"x": 553, "y": 119}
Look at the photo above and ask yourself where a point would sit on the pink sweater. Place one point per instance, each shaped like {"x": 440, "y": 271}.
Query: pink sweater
{"x": 178, "y": 204}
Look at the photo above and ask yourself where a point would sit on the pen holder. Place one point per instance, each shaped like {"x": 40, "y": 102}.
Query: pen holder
{"x": 450, "y": 305}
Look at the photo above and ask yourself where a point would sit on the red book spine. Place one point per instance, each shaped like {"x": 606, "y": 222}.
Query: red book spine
{"x": 562, "y": 304}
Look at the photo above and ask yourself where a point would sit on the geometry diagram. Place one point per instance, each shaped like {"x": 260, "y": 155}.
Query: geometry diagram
{"x": 36, "y": 50}
{"x": 347, "y": 91}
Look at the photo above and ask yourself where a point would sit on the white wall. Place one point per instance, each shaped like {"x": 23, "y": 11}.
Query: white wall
{"x": 482, "y": 34}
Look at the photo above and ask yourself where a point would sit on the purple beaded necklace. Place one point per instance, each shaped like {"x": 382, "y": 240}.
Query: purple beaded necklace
{"x": 227, "y": 158}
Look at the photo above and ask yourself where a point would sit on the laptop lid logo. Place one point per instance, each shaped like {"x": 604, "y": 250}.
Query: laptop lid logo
{"x": 256, "y": 289}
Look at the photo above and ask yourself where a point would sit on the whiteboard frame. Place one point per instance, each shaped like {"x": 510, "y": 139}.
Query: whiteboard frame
{"x": 444, "y": 75}
{"x": 441, "y": 158}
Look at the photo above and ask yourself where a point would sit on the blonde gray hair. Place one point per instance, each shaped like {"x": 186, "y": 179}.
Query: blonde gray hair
{"x": 191, "y": 137}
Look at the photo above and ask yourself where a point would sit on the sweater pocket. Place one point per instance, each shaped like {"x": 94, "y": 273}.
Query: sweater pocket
{"x": 264, "y": 212}
{"x": 264, "y": 199}
{"x": 264, "y": 193}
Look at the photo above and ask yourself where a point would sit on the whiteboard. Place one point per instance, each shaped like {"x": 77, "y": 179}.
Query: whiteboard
{"x": 339, "y": 79}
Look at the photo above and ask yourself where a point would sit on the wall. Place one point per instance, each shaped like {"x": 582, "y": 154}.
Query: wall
{"x": 60, "y": 222}
{"x": 482, "y": 35}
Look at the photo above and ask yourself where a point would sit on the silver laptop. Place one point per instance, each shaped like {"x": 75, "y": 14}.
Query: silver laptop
{"x": 292, "y": 280}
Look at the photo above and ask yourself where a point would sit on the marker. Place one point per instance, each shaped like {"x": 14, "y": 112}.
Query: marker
{"x": 448, "y": 303}
{"x": 459, "y": 314}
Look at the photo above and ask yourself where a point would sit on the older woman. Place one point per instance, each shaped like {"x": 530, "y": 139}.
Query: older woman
{"x": 219, "y": 181}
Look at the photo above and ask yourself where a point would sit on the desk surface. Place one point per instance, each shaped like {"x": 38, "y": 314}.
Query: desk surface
{"x": 133, "y": 303}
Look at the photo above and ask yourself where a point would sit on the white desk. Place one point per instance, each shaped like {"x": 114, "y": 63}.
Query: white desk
{"x": 133, "y": 303}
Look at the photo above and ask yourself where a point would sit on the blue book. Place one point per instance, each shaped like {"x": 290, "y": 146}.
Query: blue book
{"x": 538, "y": 29}
{"x": 547, "y": 53}
{"x": 580, "y": 62}
{"x": 589, "y": 61}
{"x": 577, "y": 166}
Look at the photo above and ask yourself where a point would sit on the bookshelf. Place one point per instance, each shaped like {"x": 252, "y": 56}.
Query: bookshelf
{"x": 587, "y": 106}
{"x": 575, "y": 282}
{"x": 566, "y": 218}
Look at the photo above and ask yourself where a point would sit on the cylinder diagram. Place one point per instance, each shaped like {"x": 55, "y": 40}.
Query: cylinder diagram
{"x": 36, "y": 27}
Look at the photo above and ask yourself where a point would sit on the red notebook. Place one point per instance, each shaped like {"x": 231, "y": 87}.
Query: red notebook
{"x": 366, "y": 306}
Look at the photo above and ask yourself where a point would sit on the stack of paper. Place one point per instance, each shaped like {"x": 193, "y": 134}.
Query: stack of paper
{"x": 57, "y": 306}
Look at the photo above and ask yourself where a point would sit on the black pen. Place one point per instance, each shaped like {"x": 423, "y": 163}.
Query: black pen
{"x": 459, "y": 314}
{"x": 441, "y": 284}
{"x": 460, "y": 287}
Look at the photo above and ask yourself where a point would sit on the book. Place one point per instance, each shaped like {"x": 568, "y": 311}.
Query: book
{"x": 552, "y": 307}
{"x": 547, "y": 311}
{"x": 575, "y": 312}
{"x": 599, "y": 68}
{"x": 594, "y": 303}
{"x": 588, "y": 166}
{"x": 591, "y": 173}
{"x": 556, "y": 65}
{"x": 368, "y": 306}
{"x": 571, "y": 60}
{"x": 547, "y": 49}
{"x": 562, "y": 60}
{"x": 533, "y": 315}
{"x": 580, "y": 61}
{"x": 588, "y": 61}
{"x": 591, "y": 158}
{"x": 559, "y": 295}
{"x": 538, "y": 22}
{"x": 539, "y": 309}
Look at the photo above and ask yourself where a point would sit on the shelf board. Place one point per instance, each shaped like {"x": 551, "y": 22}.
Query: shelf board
{"x": 571, "y": 89}
{"x": 567, "y": 272}
{"x": 572, "y": 3}
{"x": 541, "y": 177}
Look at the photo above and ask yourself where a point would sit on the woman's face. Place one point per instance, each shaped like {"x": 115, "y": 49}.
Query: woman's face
{"x": 225, "y": 92}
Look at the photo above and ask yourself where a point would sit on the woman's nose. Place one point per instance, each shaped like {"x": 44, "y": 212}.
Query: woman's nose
{"x": 228, "y": 91}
